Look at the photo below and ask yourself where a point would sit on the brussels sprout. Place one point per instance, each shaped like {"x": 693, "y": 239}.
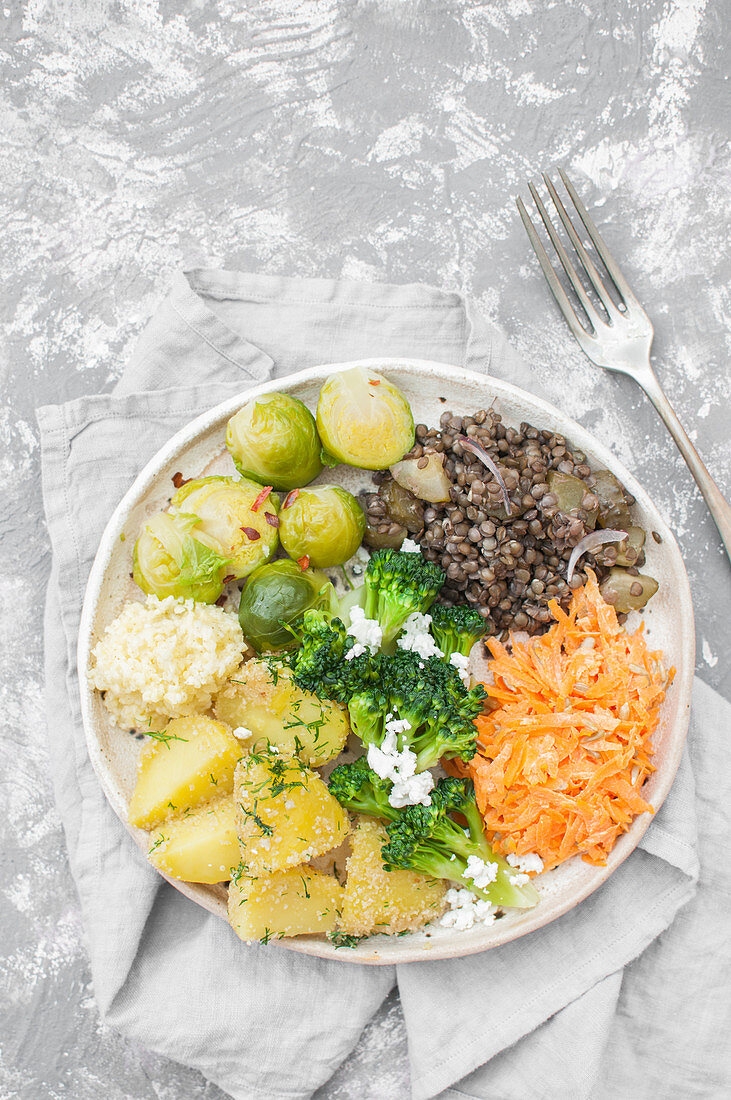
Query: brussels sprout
{"x": 275, "y": 597}
{"x": 273, "y": 440}
{"x": 364, "y": 420}
{"x": 246, "y": 536}
{"x": 323, "y": 523}
{"x": 173, "y": 558}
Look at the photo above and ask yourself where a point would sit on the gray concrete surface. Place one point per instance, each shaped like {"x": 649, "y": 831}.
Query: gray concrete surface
{"x": 377, "y": 139}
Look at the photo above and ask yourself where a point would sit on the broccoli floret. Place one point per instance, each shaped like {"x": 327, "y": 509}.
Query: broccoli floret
{"x": 431, "y": 697}
{"x": 426, "y": 839}
{"x": 319, "y": 663}
{"x": 360, "y": 790}
{"x": 456, "y": 629}
{"x": 396, "y": 586}
{"x": 367, "y": 710}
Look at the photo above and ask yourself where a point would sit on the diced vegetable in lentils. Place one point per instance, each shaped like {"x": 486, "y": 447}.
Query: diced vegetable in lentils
{"x": 508, "y": 566}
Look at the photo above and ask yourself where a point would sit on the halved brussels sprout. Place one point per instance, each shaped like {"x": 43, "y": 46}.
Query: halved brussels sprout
{"x": 324, "y": 523}
{"x": 173, "y": 557}
{"x": 246, "y": 537}
{"x": 364, "y": 420}
{"x": 273, "y": 440}
{"x": 275, "y": 597}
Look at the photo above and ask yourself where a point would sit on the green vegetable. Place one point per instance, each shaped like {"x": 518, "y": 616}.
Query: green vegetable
{"x": 324, "y": 523}
{"x": 456, "y": 629}
{"x": 274, "y": 600}
{"x": 223, "y": 506}
{"x": 319, "y": 663}
{"x": 397, "y": 585}
{"x": 273, "y": 440}
{"x": 364, "y": 420}
{"x": 426, "y": 839}
{"x": 361, "y": 791}
{"x": 172, "y": 557}
{"x": 427, "y": 693}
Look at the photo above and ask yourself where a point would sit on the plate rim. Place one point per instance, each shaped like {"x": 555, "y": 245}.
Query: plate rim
{"x": 682, "y": 682}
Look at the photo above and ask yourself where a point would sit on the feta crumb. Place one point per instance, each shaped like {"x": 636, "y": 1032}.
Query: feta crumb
{"x": 399, "y": 766}
{"x": 243, "y": 733}
{"x": 518, "y": 879}
{"x": 465, "y": 910}
{"x": 481, "y": 872}
{"x": 367, "y": 633}
{"x": 531, "y": 861}
{"x": 417, "y": 638}
{"x": 461, "y": 663}
{"x": 408, "y": 546}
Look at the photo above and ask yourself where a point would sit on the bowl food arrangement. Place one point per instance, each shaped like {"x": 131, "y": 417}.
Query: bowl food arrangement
{"x": 386, "y": 661}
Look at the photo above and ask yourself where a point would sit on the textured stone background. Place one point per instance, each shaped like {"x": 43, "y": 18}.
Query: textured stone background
{"x": 377, "y": 139}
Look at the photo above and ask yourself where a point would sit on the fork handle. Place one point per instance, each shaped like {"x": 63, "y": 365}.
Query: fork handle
{"x": 718, "y": 506}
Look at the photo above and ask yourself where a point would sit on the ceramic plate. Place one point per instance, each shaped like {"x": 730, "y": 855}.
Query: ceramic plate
{"x": 430, "y": 388}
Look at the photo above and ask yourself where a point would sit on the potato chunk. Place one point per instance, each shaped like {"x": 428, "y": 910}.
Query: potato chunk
{"x": 286, "y": 815}
{"x": 264, "y": 698}
{"x": 202, "y": 846}
{"x": 287, "y": 903}
{"x": 377, "y": 900}
{"x": 195, "y": 762}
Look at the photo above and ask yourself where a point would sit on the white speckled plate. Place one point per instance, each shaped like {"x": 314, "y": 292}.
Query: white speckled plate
{"x": 431, "y": 388}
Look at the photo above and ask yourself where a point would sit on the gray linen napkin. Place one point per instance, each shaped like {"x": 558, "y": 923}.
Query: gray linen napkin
{"x": 264, "y": 1022}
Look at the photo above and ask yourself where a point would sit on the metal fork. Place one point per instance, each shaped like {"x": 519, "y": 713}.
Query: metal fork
{"x": 620, "y": 341}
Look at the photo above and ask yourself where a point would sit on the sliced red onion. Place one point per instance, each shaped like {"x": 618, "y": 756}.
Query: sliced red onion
{"x": 480, "y": 452}
{"x": 591, "y": 542}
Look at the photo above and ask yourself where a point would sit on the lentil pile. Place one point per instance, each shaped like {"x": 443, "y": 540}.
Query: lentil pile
{"x": 508, "y": 566}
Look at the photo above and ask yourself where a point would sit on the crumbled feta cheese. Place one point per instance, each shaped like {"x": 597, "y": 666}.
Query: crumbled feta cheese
{"x": 396, "y": 725}
{"x": 243, "y": 733}
{"x": 408, "y": 546}
{"x": 465, "y": 910}
{"x": 518, "y": 879}
{"x": 367, "y": 633}
{"x": 412, "y": 790}
{"x": 416, "y": 636}
{"x": 399, "y": 766}
{"x": 531, "y": 861}
{"x": 461, "y": 663}
{"x": 481, "y": 872}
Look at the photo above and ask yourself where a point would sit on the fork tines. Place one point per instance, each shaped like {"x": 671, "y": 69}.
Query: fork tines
{"x": 595, "y": 319}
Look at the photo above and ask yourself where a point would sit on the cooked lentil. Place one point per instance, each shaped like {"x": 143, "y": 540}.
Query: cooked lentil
{"x": 509, "y": 567}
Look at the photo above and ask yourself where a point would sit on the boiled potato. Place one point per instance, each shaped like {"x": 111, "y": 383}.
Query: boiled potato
{"x": 377, "y": 900}
{"x": 286, "y": 815}
{"x": 194, "y": 763}
{"x": 286, "y": 903}
{"x": 202, "y": 846}
{"x": 263, "y": 698}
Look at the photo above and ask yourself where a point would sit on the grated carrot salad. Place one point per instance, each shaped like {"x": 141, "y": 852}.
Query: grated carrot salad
{"x": 564, "y": 752}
